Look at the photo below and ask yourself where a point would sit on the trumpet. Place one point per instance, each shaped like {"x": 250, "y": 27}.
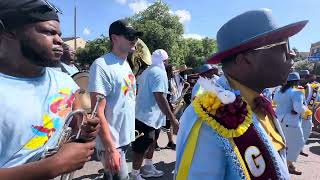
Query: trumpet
{"x": 66, "y": 134}
{"x": 138, "y": 134}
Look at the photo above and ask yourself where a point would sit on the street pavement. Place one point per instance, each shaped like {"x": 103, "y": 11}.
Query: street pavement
{"x": 165, "y": 160}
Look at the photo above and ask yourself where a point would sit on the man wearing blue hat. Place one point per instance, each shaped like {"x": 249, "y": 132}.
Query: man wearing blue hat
{"x": 34, "y": 98}
{"x": 290, "y": 108}
{"x": 230, "y": 131}
{"x": 205, "y": 71}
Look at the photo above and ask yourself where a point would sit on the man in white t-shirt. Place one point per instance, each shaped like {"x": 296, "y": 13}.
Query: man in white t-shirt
{"x": 112, "y": 77}
{"x": 151, "y": 110}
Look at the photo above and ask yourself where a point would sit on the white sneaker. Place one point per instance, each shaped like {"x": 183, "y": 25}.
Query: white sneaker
{"x": 136, "y": 177}
{"x": 148, "y": 171}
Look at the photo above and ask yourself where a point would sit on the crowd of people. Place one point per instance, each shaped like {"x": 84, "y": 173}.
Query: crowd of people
{"x": 251, "y": 118}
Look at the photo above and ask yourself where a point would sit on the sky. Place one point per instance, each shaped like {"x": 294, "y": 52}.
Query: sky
{"x": 201, "y": 18}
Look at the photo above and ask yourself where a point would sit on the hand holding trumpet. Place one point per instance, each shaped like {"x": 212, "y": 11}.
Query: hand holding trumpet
{"x": 89, "y": 128}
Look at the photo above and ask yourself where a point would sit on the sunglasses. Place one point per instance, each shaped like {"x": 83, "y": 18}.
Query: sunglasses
{"x": 131, "y": 37}
{"x": 269, "y": 46}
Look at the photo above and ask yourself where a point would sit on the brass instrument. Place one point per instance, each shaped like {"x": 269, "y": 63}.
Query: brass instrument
{"x": 82, "y": 80}
{"x": 141, "y": 58}
{"x": 180, "y": 103}
{"x": 66, "y": 134}
{"x": 138, "y": 135}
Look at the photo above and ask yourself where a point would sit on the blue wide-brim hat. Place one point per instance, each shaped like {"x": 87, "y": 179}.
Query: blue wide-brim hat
{"x": 206, "y": 67}
{"x": 294, "y": 76}
{"x": 250, "y": 30}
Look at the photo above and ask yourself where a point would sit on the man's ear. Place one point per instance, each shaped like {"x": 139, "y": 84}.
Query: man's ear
{"x": 113, "y": 37}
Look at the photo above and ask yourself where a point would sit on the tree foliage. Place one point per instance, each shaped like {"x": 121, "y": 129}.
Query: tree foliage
{"x": 93, "y": 50}
{"x": 162, "y": 30}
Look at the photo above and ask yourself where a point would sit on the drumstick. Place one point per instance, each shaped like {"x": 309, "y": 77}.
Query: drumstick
{"x": 93, "y": 114}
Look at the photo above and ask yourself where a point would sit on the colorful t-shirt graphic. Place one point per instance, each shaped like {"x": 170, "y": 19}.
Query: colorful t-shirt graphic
{"x": 129, "y": 87}
{"x": 112, "y": 77}
{"x": 60, "y": 106}
{"x": 32, "y": 114}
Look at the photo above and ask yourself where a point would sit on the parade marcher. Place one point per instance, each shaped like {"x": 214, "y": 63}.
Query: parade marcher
{"x": 206, "y": 71}
{"x": 230, "y": 131}
{"x": 112, "y": 77}
{"x": 68, "y": 60}
{"x": 34, "y": 98}
{"x": 180, "y": 77}
{"x": 290, "y": 108}
{"x": 151, "y": 110}
{"x": 172, "y": 96}
{"x": 312, "y": 99}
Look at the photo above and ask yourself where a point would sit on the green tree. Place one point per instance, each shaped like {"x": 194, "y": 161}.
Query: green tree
{"x": 162, "y": 30}
{"x": 93, "y": 50}
{"x": 199, "y": 51}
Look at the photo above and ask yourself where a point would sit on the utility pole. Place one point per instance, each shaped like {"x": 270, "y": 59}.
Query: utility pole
{"x": 75, "y": 25}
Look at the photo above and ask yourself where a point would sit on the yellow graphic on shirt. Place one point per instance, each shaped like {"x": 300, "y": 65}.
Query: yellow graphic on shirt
{"x": 59, "y": 107}
{"x": 43, "y": 133}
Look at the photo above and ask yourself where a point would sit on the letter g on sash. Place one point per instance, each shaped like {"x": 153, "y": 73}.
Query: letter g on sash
{"x": 255, "y": 161}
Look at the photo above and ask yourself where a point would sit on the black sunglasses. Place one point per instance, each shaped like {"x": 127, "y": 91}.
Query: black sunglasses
{"x": 131, "y": 37}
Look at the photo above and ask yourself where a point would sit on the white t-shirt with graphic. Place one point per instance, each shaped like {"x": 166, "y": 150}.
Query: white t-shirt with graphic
{"x": 32, "y": 114}
{"x": 113, "y": 77}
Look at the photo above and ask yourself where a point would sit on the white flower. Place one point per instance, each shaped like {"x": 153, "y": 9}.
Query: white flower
{"x": 226, "y": 97}
{"x": 210, "y": 85}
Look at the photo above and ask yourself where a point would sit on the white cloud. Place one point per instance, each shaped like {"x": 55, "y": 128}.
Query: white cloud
{"x": 86, "y": 31}
{"x": 121, "y": 1}
{"x": 184, "y": 15}
{"x": 139, "y": 5}
{"x": 193, "y": 36}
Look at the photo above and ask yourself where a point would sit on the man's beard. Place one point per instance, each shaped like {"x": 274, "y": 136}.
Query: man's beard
{"x": 34, "y": 57}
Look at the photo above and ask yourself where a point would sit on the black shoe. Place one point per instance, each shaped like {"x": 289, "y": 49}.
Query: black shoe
{"x": 157, "y": 148}
{"x": 295, "y": 172}
{"x": 304, "y": 154}
{"x": 292, "y": 170}
{"x": 171, "y": 145}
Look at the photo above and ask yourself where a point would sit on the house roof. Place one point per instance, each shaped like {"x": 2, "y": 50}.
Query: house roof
{"x": 69, "y": 38}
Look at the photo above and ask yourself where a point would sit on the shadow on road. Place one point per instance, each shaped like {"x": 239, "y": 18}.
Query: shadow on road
{"x": 92, "y": 176}
{"x": 166, "y": 168}
{"x": 315, "y": 150}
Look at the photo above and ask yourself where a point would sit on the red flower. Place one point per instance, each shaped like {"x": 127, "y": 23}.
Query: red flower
{"x": 232, "y": 115}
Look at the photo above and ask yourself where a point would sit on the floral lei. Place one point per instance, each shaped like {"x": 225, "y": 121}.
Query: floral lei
{"x": 229, "y": 120}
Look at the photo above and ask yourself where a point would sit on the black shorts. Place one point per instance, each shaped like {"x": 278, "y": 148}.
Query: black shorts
{"x": 151, "y": 135}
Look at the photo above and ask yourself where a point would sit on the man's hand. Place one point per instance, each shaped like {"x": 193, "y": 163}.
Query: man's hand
{"x": 112, "y": 161}
{"x": 175, "y": 125}
{"x": 90, "y": 128}
{"x": 72, "y": 156}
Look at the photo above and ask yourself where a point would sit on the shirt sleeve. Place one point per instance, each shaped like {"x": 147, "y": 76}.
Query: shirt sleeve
{"x": 100, "y": 80}
{"x": 298, "y": 102}
{"x": 158, "y": 82}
